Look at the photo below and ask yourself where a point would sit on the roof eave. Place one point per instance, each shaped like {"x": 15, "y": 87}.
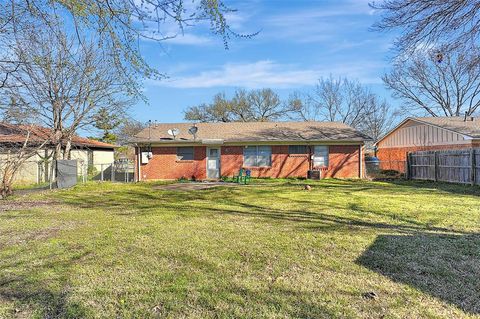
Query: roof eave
{"x": 200, "y": 142}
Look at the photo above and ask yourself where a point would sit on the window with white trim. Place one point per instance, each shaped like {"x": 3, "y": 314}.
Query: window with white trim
{"x": 257, "y": 156}
{"x": 320, "y": 156}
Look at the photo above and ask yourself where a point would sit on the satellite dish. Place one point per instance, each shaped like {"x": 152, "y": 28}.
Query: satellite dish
{"x": 173, "y": 132}
{"x": 193, "y": 130}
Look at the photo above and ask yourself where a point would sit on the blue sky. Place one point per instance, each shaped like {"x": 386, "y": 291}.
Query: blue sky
{"x": 299, "y": 42}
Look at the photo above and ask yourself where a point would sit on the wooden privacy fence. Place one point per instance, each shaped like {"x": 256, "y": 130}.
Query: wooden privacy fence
{"x": 454, "y": 166}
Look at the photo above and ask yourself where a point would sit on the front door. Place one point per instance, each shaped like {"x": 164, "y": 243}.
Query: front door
{"x": 213, "y": 163}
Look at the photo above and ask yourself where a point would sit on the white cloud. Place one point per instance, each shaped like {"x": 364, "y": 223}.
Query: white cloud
{"x": 189, "y": 39}
{"x": 249, "y": 75}
{"x": 319, "y": 23}
{"x": 267, "y": 73}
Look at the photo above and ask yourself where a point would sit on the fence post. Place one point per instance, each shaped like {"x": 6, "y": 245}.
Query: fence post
{"x": 407, "y": 164}
{"x": 435, "y": 164}
{"x": 101, "y": 172}
{"x": 113, "y": 172}
{"x": 473, "y": 174}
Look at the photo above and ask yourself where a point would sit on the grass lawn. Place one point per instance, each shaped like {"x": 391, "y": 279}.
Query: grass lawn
{"x": 268, "y": 250}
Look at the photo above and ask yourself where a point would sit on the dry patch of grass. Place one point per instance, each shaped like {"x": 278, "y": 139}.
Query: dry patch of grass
{"x": 6, "y": 205}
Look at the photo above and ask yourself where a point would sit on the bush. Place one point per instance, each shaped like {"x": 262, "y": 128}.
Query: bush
{"x": 92, "y": 170}
{"x": 390, "y": 172}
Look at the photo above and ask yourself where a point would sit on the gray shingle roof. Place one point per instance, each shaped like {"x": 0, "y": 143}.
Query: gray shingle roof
{"x": 254, "y": 132}
{"x": 457, "y": 124}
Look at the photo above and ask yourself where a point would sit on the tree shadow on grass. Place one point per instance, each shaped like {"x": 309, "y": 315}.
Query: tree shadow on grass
{"x": 444, "y": 266}
{"x": 321, "y": 220}
{"x": 38, "y": 285}
{"x": 427, "y": 186}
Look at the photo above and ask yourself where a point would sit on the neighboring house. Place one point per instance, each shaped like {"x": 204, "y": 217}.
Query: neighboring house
{"x": 426, "y": 133}
{"x": 89, "y": 153}
{"x": 268, "y": 149}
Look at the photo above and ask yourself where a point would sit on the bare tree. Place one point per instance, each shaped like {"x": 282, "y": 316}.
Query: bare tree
{"x": 447, "y": 88}
{"x": 380, "y": 119}
{"x": 340, "y": 100}
{"x": 346, "y": 101}
{"x": 246, "y": 106}
{"x": 127, "y": 130}
{"x": 265, "y": 105}
{"x": 218, "y": 111}
{"x": 61, "y": 84}
{"x": 15, "y": 150}
{"x": 424, "y": 23}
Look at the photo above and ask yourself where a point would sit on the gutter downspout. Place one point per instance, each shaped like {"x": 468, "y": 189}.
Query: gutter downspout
{"x": 360, "y": 152}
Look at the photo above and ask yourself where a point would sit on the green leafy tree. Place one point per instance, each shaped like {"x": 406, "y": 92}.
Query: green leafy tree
{"x": 118, "y": 25}
{"x": 107, "y": 122}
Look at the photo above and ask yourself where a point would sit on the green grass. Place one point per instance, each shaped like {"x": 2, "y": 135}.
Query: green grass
{"x": 266, "y": 250}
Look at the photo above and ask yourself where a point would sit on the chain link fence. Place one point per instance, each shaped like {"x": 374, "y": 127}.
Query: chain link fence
{"x": 119, "y": 171}
{"x": 49, "y": 174}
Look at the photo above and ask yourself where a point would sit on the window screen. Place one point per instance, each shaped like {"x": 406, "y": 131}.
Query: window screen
{"x": 185, "y": 153}
{"x": 257, "y": 156}
{"x": 320, "y": 156}
{"x": 297, "y": 149}
{"x": 250, "y": 156}
{"x": 264, "y": 156}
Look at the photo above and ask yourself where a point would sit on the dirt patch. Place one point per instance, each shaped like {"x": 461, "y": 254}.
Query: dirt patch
{"x": 193, "y": 186}
{"x": 7, "y": 205}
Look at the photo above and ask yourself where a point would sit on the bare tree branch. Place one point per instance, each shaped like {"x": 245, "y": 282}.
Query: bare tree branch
{"x": 252, "y": 106}
{"x": 447, "y": 88}
{"x": 421, "y": 23}
{"x": 61, "y": 84}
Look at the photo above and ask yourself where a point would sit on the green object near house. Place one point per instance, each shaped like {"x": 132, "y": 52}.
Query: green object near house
{"x": 242, "y": 177}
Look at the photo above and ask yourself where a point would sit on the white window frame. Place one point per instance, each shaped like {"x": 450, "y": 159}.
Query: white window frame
{"x": 320, "y": 155}
{"x": 258, "y": 155}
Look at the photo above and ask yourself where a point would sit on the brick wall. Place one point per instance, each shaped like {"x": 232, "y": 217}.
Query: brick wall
{"x": 343, "y": 163}
{"x": 283, "y": 164}
{"x": 396, "y": 157}
{"x": 164, "y": 164}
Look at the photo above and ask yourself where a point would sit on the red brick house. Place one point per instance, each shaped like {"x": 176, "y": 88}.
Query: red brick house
{"x": 425, "y": 134}
{"x": 268, "y": 149}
